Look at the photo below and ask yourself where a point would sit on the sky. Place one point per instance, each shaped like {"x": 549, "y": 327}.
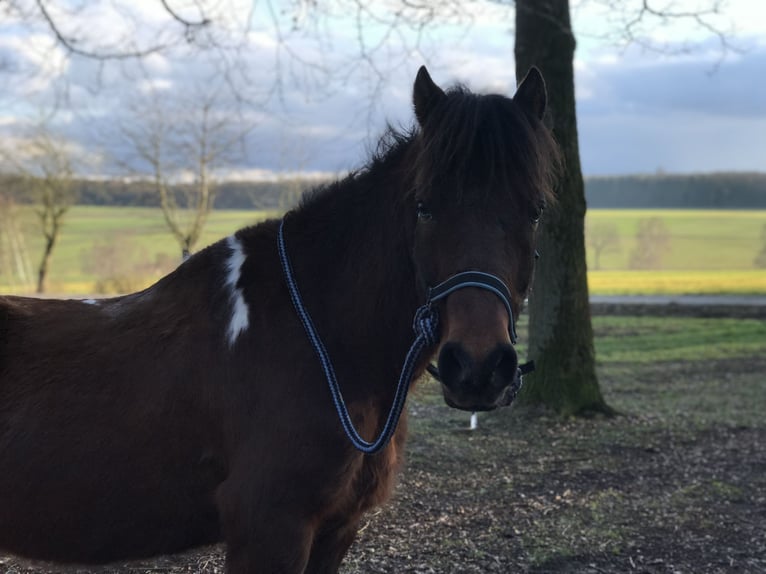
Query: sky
{"x": 302, "y": 92}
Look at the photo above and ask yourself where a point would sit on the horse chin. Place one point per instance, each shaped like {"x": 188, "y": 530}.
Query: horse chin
{"x": 472, "y": 407}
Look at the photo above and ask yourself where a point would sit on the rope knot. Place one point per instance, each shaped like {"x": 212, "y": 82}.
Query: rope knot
{"x": 426, "y": 324}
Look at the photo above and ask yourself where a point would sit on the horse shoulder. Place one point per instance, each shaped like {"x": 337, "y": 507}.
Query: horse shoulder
{"x": 377, "y": 476}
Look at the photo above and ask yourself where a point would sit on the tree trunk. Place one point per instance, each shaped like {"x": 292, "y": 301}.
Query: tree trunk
{"x": 42, "y": 272}
{"x": 560, "y": 331}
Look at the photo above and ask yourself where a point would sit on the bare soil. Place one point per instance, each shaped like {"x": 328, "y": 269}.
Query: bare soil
{"x": 675, "y": 484}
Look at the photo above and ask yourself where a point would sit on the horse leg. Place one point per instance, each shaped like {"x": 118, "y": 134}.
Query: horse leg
{"x": 262, "y": 537}
{"x": 331, "y": 544}
{"x": 278, "y": 545}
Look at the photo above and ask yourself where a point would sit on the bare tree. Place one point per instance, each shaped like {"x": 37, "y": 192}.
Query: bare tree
{"x": 11, "y": 254}
{"x": 174, "y": 142}
{"x": 760, "y": 259}
{"x": 635, "y": 21}
{"x": 46, "y": 163}
{"x": 652, "y": 243}
{"x": 56, "y": 196}
{"x": 122, "y": 266}
{"x": 602, "y": 237}
{"x": 14, "y": 260}
{"x": 64, "y": 22}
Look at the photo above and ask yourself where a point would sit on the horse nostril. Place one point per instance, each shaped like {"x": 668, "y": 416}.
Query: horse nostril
{"x": 502, "y": 365}
{"x": 454, "y": 365}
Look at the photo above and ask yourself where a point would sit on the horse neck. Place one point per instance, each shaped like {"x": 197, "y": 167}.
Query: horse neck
{"x": 350, "y": 250}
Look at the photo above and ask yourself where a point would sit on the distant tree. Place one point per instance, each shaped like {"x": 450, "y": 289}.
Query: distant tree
{"x": 5, "y": 217}
{"x": 292, "y": 191}
{"x": 14, "y": 258}
{"x": 602, "y": 237}
{"x": 652, "y": 243}
{"x": 67, "y": 24}
{"x": 174, "y": 141}
{"x": 56, "y": 196}
{"x": 122, "y": 266}
{"x": 760, "y": 259}
{"x": 45, "y": 162}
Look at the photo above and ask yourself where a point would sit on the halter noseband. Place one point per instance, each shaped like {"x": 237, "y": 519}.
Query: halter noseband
{"x": 481, "y": 280}
{"x": 493, "y": 284}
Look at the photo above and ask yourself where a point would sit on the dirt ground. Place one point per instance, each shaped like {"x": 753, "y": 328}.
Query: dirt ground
{"x": 675, "y": 484}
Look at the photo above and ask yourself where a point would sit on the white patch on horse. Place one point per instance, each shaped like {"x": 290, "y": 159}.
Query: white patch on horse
{"x": 89, "y": 301}
{"x": 239, "y": 312}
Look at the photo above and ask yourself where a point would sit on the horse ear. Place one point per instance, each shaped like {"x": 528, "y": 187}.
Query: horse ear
{"x": 426, "y": 95}
{"x": 531, "y": 94}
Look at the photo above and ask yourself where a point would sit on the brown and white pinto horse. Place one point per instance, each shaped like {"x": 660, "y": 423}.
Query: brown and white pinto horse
{"x": 196, "y": 411}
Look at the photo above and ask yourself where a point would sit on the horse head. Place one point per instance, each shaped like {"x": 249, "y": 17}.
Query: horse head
{"x": 483, "y": 174}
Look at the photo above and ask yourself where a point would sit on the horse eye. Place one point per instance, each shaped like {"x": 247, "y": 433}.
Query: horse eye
{"x": 424, "y": 214}
{"x": 537, "y": 254}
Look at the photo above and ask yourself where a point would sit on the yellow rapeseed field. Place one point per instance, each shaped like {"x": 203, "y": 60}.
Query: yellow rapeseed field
{"x": 744, "y": 282}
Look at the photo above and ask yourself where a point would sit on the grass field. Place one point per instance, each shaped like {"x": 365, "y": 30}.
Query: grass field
{"x": 137, "y": 234}
{"x": 699, "y": 240}
{"x": 707, "y": 252}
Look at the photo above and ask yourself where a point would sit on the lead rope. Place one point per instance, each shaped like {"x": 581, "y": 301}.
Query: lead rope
{"x": 425, "y": 325}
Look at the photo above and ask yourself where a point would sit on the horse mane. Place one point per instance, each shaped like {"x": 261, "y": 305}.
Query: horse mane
{"x": 391, "y": 147}
{"x": 475, "y": 142}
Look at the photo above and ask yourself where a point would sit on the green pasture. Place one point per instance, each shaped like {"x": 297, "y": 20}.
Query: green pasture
{"x": 707, "y": 251}
{"x": 137, "y": 236}
{"x": 699, "y": 240}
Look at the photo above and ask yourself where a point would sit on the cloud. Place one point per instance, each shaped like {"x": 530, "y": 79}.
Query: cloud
{"x": 735, "y": 87}
{"x": 679, "y": 114}
{"x": 674, "y": 142}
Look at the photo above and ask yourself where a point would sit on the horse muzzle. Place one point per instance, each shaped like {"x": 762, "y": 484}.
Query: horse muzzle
{"x": 477, "y": 374}
{"x": 478, "y": 384}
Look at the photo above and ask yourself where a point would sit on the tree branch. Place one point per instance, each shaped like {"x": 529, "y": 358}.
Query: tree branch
{"x": 70, "y": 43}
{"x": 183, "y": 21}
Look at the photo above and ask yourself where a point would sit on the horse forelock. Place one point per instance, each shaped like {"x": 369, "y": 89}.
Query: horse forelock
{"x": 474, "y": 144}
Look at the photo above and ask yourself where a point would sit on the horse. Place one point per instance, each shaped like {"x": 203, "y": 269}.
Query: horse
{"x": 197, "y": 411}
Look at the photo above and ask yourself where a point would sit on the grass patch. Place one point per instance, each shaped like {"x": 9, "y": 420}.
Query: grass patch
{"x": 698, "y": 239}
{"x": 136, "y": 237}
{"x": 641, "y": 340}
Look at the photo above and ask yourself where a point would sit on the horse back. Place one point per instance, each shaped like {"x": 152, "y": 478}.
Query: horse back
{"x": 95, "y": 394}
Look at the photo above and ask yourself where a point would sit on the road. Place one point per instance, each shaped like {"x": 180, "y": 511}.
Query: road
{"x": 692, "y": 300}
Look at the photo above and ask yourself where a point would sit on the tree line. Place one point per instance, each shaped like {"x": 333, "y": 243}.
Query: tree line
{"x": 690, "y": 191}
{"x": 276, "y": 194}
